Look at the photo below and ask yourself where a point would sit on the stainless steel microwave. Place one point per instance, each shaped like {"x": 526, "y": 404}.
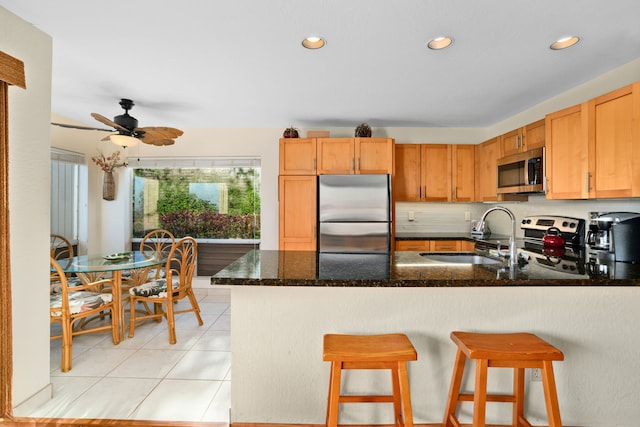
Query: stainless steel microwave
{"x": 522, "y": 173}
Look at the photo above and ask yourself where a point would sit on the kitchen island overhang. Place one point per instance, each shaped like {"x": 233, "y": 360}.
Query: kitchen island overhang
{"x": 278, "y": 321}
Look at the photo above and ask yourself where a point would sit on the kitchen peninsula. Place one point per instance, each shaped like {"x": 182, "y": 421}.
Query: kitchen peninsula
{"x": 282, "y": 303}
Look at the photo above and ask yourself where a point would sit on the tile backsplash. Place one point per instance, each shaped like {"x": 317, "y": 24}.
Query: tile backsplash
{"x": 452, "y": 217}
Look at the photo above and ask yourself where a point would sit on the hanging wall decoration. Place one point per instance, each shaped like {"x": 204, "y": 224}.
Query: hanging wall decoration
{"x": 108, "y": 164}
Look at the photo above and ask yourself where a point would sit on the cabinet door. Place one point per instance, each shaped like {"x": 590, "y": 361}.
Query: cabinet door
{"x": 336, "y": 155}
{"x": 436, "y": 172}
{"x": 445, "y": 245}
{"x": 374, "y": 155}
{"x": 486, "y": 170}
{"x": 297, "y": 212}
{"x": 567, "y": 153}
{"x": 463, "y": 177}
{"x": 412, "y": 245}
{"x": 534, "y": 135}
{"x": 297, "y": 156}
{"x": 611, "y": 122}
{"x": 406, "y": 181}
{"x": 511, "y": 142}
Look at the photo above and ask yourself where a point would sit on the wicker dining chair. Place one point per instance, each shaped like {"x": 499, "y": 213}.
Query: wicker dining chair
{"x": 178, "y": 274}
{"x": 73, "y": 306}
{"x": 60, "y": 247}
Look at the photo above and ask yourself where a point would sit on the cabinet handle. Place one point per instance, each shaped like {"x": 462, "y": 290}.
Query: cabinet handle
{"x": 358, "y": 163}
{"x": 522, "y": 141}
{"x": 352, "y": 164}
{"x": 588, "y": 176}
{"x": 315, "y": 166}
{"x": 517, "y": 141}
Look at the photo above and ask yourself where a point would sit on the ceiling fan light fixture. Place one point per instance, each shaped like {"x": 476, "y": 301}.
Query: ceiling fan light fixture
{"x": 313, "y": 42}
{"x": 123, "y": 141}
{"x": 564, "y": 42}
{"x": 440, "y": 43}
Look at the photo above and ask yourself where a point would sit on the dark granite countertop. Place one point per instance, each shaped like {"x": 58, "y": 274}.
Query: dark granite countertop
{"x": 410, "y": 269}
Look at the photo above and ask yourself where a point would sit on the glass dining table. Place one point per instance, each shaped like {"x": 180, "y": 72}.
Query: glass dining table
{"x": 136, "y": 262}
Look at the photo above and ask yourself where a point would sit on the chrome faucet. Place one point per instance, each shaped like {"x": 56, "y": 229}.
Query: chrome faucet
{"x": 513, "y": 254}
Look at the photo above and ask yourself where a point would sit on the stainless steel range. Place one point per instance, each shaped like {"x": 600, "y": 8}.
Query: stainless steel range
{"x": 568, "y": 259}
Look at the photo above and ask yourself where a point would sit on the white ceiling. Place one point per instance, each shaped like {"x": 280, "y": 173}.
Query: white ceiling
{"x": 240, "y": 63}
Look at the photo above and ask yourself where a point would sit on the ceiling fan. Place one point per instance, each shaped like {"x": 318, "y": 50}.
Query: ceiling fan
{"x": 127, "y": 127}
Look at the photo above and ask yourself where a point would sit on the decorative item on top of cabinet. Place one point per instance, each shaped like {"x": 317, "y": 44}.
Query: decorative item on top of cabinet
{"x": 363, "y": 131}
{"x": 297, "y": 217}
{"x": 434, "y": 173}
{"x": 355, "y": 155}
{"x": 290, "y": 132}
{"x": 297, "y": 156}
{"x": 523, "y": 139}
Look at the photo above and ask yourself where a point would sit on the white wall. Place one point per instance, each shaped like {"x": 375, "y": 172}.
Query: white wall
{"x": 29, "y": 204}
{"x": 279, "y": 375}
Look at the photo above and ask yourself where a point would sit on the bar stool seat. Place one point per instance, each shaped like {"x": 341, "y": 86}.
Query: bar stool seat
{"x": 387, "y": 351}
{"x": 512, "y": 350}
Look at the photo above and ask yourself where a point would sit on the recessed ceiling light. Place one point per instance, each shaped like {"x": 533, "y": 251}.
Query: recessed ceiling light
{"x": 313, "y": 42}
{"x": 564, "y": 42}
{"x": 440, "y": 43}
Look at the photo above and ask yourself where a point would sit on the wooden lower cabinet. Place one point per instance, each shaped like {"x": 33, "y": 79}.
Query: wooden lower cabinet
{"x": 434, "y": 245}
{"x": 297, "y": 212}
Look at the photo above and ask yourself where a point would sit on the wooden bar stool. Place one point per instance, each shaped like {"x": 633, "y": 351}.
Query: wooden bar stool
{"x": 514, "y": 350}
{"x": 389, "y": 351}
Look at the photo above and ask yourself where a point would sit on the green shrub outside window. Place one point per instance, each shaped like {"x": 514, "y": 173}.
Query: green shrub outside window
{"x": 206, "y": 203}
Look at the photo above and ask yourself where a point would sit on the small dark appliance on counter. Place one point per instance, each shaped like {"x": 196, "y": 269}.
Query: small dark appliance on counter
{"x": 614, "y": 237}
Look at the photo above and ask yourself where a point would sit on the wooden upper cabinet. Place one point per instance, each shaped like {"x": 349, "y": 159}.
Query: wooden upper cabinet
{"x": 613, "y": 129}
{"x": 463, "y": 172}
{"x": 374, "y": 155}
{"x": 297, "y": 156}
{"x": 406, "y": 181}
{"x": 435, "y": 172}
{"x": 355, "y": 155}
{"x": 523, "y": 139}
{"x": 567, "y": 166}
{"x": 297, "y": 212}
{"x": 486, "y": 170}
{"x": 336, "y": 155}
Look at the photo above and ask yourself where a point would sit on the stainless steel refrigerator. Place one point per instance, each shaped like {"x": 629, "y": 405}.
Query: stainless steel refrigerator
{"x": 354, "y": 214}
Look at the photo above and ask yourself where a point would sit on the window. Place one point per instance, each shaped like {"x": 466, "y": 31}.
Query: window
{"x": 201, "y": 198}
{"x": 65, "y": 179}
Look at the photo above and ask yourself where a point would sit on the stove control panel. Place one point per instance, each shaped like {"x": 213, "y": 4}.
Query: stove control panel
{"x": 572, "y": 229}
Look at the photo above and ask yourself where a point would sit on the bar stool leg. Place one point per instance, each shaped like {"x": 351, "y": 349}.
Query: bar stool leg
{"x": 397, "y": 403}
{"x": 550, "y": 394}
{"x": 454, "y": 388}
{"x": 480, "y": 393}
{"x": 407, "y": 412}
{"x": 333, "y": 404}
{"x": 518, "y": 392}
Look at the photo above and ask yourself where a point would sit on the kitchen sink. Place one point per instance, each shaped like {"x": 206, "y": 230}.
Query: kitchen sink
{"x": 460, "y": 258}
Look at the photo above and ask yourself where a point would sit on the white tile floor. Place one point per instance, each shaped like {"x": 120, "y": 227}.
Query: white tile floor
{"x": 145, "y": 377}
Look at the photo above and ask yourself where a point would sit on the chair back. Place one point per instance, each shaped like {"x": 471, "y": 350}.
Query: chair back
{"x": 157, "y": 241}
{"x": 181, "y": 266}
{"x": 60, "y": 247}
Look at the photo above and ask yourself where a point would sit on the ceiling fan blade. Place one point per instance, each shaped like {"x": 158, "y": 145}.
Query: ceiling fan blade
{"x": 103, "y": 119}
{"x": 159, "y": 132}
{"x": 64, "y": 125}
{"x": 157, "y": 142}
